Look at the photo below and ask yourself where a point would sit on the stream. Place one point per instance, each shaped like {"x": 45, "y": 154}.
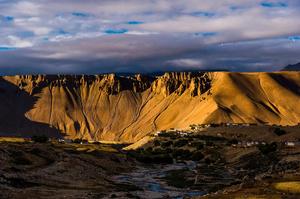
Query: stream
{"x": 150, "y": 180}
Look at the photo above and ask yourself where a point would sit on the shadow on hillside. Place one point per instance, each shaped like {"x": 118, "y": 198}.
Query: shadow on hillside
{"x": 287, "y": 83}
{"x": 14, "y": 103}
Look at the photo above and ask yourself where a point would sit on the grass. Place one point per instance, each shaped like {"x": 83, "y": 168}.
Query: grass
{"x": 81, "y": 149}
{"x": 292, "y": 186}
{"x": 11, "y": 139}
{"x": 92, "y": 147}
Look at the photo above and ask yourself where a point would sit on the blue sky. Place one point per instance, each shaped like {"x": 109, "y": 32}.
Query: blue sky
{"x": 96, "y": 36}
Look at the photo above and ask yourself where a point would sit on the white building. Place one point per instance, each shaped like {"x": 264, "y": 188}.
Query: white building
{"x": 290, "y": 144}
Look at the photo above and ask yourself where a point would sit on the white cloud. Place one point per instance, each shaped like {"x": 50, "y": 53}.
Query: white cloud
{"x": 187, "y": 62}
{"x": 17, "y": 42}
{"x": 27, "y": 8}
{"x": 141, "y": 33}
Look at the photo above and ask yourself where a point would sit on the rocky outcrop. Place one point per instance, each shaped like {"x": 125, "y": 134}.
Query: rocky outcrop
{"x": 110, "y": 83}
{"x": 195, "y": 83}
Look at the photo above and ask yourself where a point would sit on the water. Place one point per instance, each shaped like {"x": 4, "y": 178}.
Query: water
{"x": 149, "y": 179}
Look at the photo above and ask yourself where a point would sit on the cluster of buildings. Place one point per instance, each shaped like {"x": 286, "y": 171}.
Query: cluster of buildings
{"x": 78, "y": 141}
{"x": 175, "y": 131}
{"x": 201, "y": 126}
{"x": 247, "y": 144}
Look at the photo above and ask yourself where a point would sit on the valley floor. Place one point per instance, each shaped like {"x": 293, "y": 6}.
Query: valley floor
{"x": 204, "y": 164}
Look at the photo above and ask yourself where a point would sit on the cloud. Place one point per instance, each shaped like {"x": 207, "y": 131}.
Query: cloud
{"x": 187, "y": 62}
{"x": 7, "y": 48}
{"x": 294, "y": 38}
{"x": 202, "y": 14}
{"x": 134, "y": 22}
{"x": 274, "y": 4}
{"x": 80, "y": 14}
{"x": 16, "y": 42}
{"x": 115, "y": 31}
{"x": 6, "y": 18}
{"x": 206, "y": 34}
{"x": 107, "y": 36}
{"x": 26, "y": 8}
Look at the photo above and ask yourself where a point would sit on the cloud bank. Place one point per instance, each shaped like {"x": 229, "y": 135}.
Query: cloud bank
{"x": 97, "y": 36}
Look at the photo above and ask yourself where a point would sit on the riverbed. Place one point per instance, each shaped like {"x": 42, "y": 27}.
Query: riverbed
{"x": 152, "y": 183}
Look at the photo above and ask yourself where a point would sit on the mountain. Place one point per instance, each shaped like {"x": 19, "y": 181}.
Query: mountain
{"x": 118, "y": 108}
{"x": 295, "y": 67}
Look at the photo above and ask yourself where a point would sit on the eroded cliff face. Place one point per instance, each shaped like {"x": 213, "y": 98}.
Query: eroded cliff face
{"x": 117, "y": 108}
{"x": 195, "y": 83}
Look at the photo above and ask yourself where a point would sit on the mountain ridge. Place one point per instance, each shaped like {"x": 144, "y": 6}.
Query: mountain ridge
{"x": 119, "y": 108}
{"x": 292, "y": 67}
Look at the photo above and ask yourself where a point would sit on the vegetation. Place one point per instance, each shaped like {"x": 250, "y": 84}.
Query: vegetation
{"x": 181, "y": 143}
{"x": 11, "y": 139}
{"x": 197, "y": 156}
{"x": 293, "y": 187}
{"x": 156, "y": 143}
{"x": 177, "y": 179}
{"x": 167, "y": 144}
{"x": 40, "y": 138}
{"x": 279, "y": 131}
{"x": 197, "y": 145}
{"x": 79, "y": 140}
{"x": 268, "y": 148}
{"x": 233, "y": 141}
{"x": 182, "y": 154}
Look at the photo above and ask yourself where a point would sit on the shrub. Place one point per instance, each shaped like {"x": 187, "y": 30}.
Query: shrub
{"x": 168, "y": 150}
{"x": 158, "y": 151}
{"x": 268, "y": 148}
{"x": 156, "y": 143}
{"x": 197, "y": 156}
{"x": 208, "y": 143}
{"x": 171, "y": 135}
{"x": 279, "y": 131}
{"x": 233, "y": 141}
{"x": 182, "y": 153}
{"x": 149, "y": 150}
{"x": 181, "y": 143}
{"x": 166, "y": 144}
{"x": 214, "y": 125}
{"x": 197, "y": 145}
{"x": 77, "y": 141}
{"x": 40, "y": 138}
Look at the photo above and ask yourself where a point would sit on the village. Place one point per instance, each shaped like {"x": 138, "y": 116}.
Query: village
{"x": 204, "y": 128}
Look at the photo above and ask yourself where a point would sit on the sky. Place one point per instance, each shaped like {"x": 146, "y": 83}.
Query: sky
{"x": 143, "y": 36}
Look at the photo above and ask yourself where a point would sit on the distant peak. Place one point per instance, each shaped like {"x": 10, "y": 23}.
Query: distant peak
{"x": 292, "y": 67}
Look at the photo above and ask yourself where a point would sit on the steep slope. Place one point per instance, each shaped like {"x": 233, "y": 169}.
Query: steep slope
{"x": 110, "y": 107}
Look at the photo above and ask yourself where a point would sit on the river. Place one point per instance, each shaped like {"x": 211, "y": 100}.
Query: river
{"x": 150, "y": 179}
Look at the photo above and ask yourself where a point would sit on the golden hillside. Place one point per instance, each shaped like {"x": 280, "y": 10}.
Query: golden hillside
{"x": 110, "y": 107}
